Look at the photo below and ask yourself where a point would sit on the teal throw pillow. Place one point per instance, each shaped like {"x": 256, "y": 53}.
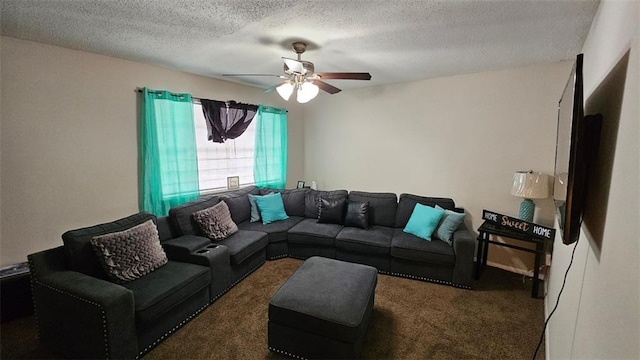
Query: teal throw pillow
{"x": 448, "y": 225}
{"x": 423, "y": 221}
{"x": 255, "y": 213}
{"x": 271, "y": 208}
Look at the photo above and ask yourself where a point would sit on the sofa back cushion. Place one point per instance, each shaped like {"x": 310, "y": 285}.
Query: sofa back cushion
{"x": 382, "y": 206}
{"x": 294, "y": 200}
{"x": 408, "y": 201}
{"x": 238, "y": 202}
{"x": 181, "y": 217}
{"x": 165, "y": 228}
{"x": 312, "y": 200}
{"x": 79, "y": 253}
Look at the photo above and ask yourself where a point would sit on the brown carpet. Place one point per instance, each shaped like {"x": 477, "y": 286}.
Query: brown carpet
{"x": 411, "y": 320}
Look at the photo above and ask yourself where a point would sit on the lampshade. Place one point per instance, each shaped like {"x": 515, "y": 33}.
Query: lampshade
{"x": 306, "y": 92}
{"x": 285, "y": 90}
{"x": 530, "y": 185}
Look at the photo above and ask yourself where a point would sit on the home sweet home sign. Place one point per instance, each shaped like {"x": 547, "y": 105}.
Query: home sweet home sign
{"x": 518, "y": 225}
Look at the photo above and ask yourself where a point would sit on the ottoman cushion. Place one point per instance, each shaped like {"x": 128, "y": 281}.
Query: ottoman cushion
{"x": 326, "y": 297}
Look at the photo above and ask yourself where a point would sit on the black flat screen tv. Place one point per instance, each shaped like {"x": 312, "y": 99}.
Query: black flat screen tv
{"x": 577, "y": 140}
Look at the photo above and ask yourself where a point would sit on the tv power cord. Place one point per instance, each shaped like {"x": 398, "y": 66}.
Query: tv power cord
{"x": 564, "y": 281}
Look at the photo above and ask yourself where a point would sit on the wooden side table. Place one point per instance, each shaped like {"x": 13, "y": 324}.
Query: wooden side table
{"x": 484, "y": 239}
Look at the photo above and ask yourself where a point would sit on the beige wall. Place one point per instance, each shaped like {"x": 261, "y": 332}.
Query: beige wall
{"x": 460, "y": 137}
{"x": 598, "y": 316}
{"x": 69, "y": 149}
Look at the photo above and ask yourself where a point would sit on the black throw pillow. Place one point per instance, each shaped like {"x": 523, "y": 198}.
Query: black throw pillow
{"x": 331, "y": 211}
{"x": 357, "y": 214}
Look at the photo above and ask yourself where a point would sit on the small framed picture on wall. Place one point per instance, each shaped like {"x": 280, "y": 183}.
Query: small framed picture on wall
{"x": 233, "y": 182}
{"x": 300, "y": 185}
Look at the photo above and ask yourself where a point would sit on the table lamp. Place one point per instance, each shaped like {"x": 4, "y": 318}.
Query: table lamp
{"x": 529, "y": 185}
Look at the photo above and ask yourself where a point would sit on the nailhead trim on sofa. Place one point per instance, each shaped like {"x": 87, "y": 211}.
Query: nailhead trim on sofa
{"x": 429, "y": 280}
{"x": 279, "y": 257}
{"x": 287, "y": 353}
{"x": 233, "y": 284}
{"x": 407, "y": 276}
{"x": 104, "y": 316}
{"x": 158, "y": 340}
{"x": 32, "y": 276}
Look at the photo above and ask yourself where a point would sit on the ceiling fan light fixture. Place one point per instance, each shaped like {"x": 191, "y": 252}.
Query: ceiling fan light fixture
{"x": 307, "y": 91}
{"x": 285, "y": 90}
{"x": 300, "y": 76}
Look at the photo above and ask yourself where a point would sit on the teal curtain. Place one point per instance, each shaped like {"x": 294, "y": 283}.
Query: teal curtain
{"x": 168, "y": 153}
{"x": 270, "y": 159}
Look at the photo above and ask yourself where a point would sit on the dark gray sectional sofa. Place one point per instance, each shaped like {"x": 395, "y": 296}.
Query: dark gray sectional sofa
{"x": 383, "y": 245}
{"x": 82, "y": 314}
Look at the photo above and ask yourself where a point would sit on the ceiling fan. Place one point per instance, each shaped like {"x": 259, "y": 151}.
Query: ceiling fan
{"x": 300, "y": 75}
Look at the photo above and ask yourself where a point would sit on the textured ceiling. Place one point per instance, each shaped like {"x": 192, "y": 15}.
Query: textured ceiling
{"x": 396, "y": 41}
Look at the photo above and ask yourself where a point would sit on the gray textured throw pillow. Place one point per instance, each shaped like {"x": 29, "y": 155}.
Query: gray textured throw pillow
{"x": 215, "y": 222}
{"x": 130, "y": 254}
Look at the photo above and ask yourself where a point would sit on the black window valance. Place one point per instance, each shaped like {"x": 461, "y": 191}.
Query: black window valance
{"x": 227, "y": 120}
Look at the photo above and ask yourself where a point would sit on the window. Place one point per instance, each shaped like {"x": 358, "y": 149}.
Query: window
{"x": 216, "y": 161}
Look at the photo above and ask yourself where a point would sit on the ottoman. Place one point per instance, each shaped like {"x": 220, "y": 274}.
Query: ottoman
{"x": 322, "y": 310}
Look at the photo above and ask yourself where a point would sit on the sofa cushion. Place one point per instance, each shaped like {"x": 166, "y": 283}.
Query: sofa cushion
{"x": 130, "y": 254}
{"x": 331, "y": 210}
{"x": 162, "y": 290}
{"x": 448, "y": 225}
{"x": 375, "y": 240}
{"x": 293, "y": 199}
{"x": 238, "y": 202}
{"x": 357, "y": 214}
{"x": 185, "y": 244}
{"x": 79, "y": 253}
{"x": 276, "y": 231}
{"x": 410, "y": 247}
{"x": 215, "y": 222}
{"x": 407, "y": 203}
{"x": 181, "y": 217}
{"x": 312, "y": 200}
{"x": 243, "y": 244}
{"x": 311, "y": 232}
{"x": 271, "y": 208}
{"x": 382, "y": 206}
{"x": 423, "y": 221}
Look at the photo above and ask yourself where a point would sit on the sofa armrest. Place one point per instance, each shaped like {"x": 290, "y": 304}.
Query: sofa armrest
{"x": 180, "y": 248}
{"x": 464, "y": 246}
{"x": 79, "y": 315}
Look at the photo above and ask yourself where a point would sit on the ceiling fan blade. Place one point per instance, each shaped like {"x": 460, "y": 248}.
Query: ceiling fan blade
{"x": 326, "y": 87}
{"x": 294, "y": 65}
{"x": 344, "y": 75}
{"x": 280, "y": 76}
